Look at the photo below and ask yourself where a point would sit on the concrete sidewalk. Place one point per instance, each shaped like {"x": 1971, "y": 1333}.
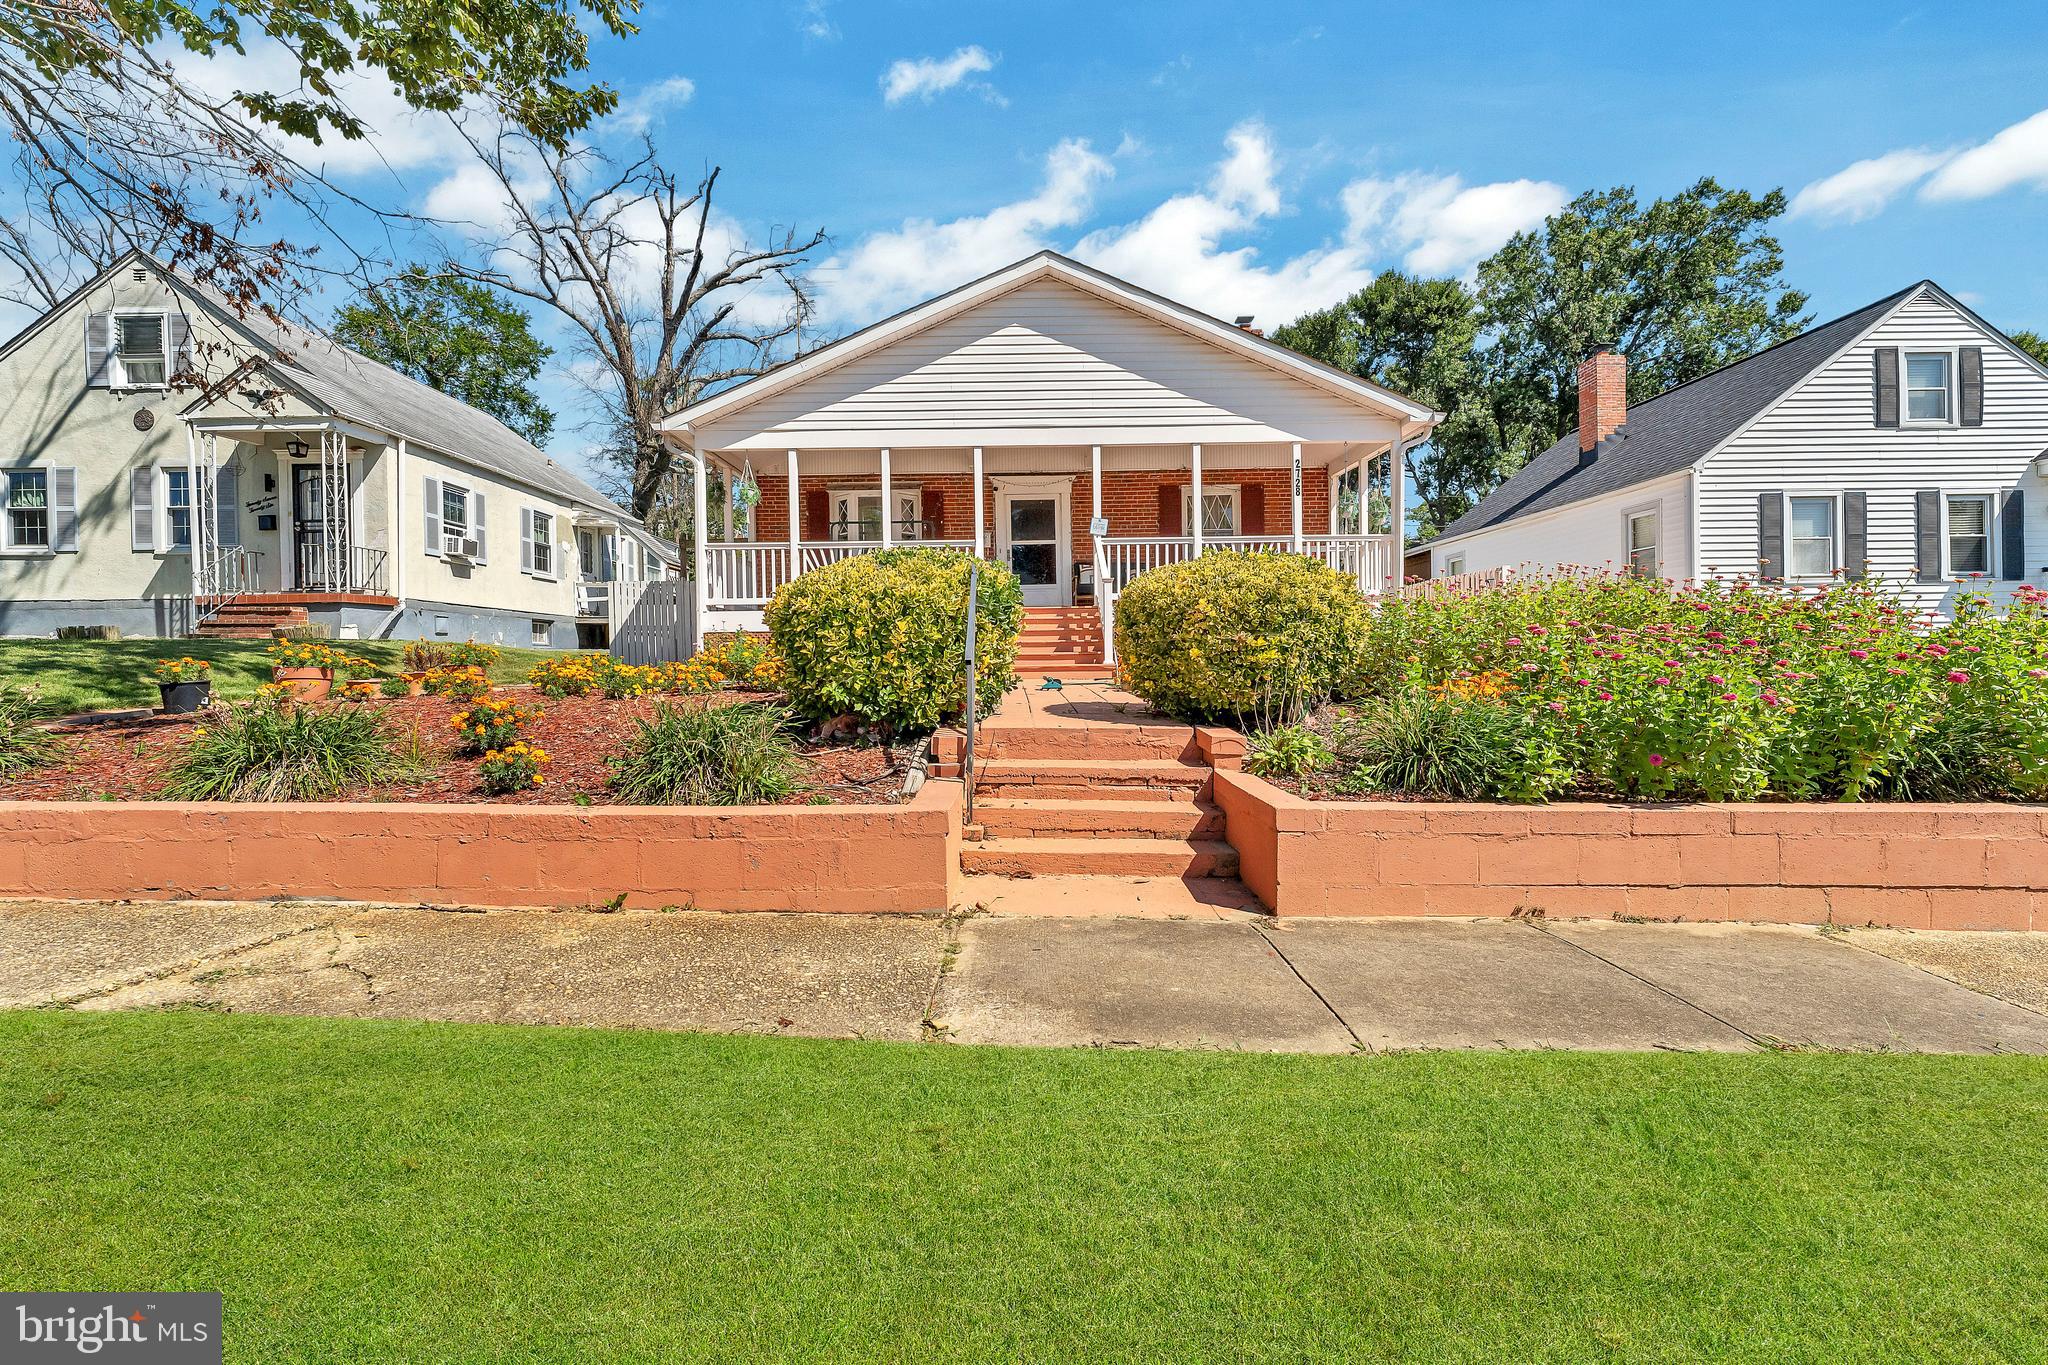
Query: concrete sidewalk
{"x": 1228, "y": 981}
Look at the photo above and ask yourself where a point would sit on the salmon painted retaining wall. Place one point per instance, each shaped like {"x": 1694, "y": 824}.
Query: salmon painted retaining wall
{"x": 1907, "y": 866}
{"x": 855, "y": 858}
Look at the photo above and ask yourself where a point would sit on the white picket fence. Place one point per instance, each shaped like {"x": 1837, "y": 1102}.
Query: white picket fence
{"x": 650, "y": 621}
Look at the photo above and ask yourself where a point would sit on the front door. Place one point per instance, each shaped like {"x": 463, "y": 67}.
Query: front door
{"x": 1030, "y": 538}
{"x": 310, "y": 570}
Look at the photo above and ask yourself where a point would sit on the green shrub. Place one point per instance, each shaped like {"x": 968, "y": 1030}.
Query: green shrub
{"x": 883, "y": 637}
{"x": 708, "y": 756}
{"x": 23, "y": 744}
{"x": 1243, "y": 636}
{"x": 273, "y": 750}
{"x": 1286, "y": 751}
{"x": 1449, "y": 747}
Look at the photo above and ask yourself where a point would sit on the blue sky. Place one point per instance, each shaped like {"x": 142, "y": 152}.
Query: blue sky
{"x": 1266, "y": 158}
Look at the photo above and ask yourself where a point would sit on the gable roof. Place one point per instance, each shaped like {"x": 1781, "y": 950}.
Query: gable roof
{"x": 1044, "y": 265}
{"x": 1670, "y": 433}
{"x": 350, "y": 385}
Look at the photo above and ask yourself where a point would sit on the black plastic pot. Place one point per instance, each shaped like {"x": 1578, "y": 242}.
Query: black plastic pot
{"x": 184, "y": 698}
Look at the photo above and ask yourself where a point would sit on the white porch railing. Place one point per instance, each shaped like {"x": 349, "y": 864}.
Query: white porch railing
{"x": 1372, "y": 560}
{"x": 746, "y": 574}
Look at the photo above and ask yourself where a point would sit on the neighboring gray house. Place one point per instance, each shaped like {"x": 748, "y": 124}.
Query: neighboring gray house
{"x": 173, "y": 468}
{"x": 1907, "y": 441}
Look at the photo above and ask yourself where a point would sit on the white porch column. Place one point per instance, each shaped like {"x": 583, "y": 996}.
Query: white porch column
{"x": 399, "y": 521}
{"x": 1397, "y": 499}
{"x": 1296, "y": 485}
{"x": 1195, "y": 499}
{"x": 796, "y": 519}
{"x": 700, "y": 517}
{"x": 195, "y": 559}
{"x": 725, "y": 508}
{"x": 888, "y": 505}
{"x": 1095, "y": 487}
{"x": 980, "y": 535}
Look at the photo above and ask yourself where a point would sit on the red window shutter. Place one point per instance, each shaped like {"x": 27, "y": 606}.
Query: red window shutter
{"x": 1253, "y": 496}
{"x": 1169, "y": 509}
{"x": 934, "y": 512}
{"x": 817, "y": 515}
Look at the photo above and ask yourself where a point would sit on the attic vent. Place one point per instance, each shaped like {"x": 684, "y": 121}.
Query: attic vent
{"x": 140, "y": 275}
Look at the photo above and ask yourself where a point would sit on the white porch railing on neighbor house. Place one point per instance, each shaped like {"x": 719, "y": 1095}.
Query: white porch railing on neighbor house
{"x": 746, "y": 574}
{"x": 1477, "y": 581}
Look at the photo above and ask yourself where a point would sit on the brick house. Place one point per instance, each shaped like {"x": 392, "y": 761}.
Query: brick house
{"x": 1058, "y": 420}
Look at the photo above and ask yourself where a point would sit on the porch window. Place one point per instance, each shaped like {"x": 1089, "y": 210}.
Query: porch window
{"x": 177, "y": 509}
{"x": 139, "y": 350}
{"x": 1813, "y": 537}
{"x": 857, "y": 514}
{"x": 1969, "y": 535}
{"x": 1219, "y": 509}
{"x": 28, "y": 509}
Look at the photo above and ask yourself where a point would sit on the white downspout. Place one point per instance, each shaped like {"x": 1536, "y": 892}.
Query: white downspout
{"x": 399, "y": 558}
{"x": 980, "y": 536}
{"x": 1195, "y": 498}
{"x": 1297, "y": 497}
{"x": 888, "y": 503}
{"x": 796, "y": 528}
{"x": 700, "y": 472}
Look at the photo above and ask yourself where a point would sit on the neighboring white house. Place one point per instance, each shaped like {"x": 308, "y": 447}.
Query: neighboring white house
{"x": 172, "y": 467}
{"x": 1907, "y": 441}
{"x": 1061, "y": 421}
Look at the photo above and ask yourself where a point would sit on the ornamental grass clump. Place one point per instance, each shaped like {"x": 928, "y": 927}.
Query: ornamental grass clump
{"x": 738, "y": 755}
{"x": 24, "y": 744}
{"x": 273, "y": 750}
{"x": 1253, "y": 638}
{"x": 883, "y": 637}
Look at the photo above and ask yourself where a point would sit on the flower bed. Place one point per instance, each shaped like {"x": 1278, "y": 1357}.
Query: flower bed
{"x": 1605, "y": 687}
{"x": 130, "y": 760}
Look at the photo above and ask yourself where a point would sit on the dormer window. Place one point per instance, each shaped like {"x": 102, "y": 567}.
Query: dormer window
{"x": 1929, "y": 386}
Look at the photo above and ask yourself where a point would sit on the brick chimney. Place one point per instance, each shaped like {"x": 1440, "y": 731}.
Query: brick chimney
{"x": 1603, "y": 397}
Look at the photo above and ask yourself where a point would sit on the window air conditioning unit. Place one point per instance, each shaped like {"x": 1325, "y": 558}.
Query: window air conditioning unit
{"x": 456, "y": 545}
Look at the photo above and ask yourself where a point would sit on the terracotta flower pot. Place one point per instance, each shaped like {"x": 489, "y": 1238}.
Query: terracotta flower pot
{"x": 416, "y": 684}
{"x": 185, "y": 698}
{"x": 305, "y": 684}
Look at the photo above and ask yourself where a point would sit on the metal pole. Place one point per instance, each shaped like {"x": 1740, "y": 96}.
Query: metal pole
{"x": 973, "y": 697}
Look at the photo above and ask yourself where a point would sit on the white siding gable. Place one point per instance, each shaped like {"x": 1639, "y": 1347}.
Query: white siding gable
{"x": 1044, "y": 364}
{"x": 1822, "y": 437}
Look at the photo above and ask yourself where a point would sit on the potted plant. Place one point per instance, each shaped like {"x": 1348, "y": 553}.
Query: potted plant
{"x": 186, "y": 685}
{"x": 305, "y": 668}
{"x": 421, "y": 658}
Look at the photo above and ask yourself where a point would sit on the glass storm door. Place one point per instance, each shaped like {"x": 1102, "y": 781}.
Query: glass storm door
{"x": 310, "y": 570}
{"x": 1030, "y": 523}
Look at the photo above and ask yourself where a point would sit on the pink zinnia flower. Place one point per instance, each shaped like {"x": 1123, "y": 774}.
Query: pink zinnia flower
{"x": 1656, "y": 760}
{"x": 1607, "y": 696}
{"x": 1956, "y": 675}
{"x": 1859, "y": 654}
{"x": 1557, "y": 706}
{"x": 1727, "y": 696}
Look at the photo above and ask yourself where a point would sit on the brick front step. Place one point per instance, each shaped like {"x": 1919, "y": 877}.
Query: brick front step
{"x": 1009, "y": 818}
{"x": 1088, "y": 743}
{"x": 1033, "y": 674}
{"x": 1100, "y": 857}
{"x": 1096, "y": 780}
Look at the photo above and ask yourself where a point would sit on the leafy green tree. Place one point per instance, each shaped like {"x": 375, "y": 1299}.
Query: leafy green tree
{"x": 2033, "y": 343}
{"x": 121, "y": 145}
{"x": 1682, "y": 286}
{"x": 458, "y": 337}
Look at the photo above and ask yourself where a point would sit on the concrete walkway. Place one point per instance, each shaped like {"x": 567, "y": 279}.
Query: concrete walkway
{"x": 1227, "y": 980}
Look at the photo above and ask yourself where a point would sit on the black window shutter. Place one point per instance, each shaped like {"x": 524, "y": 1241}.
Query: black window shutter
{"x": 2012, "y": 535}
{"x": 1970, "y": 371}
{"x": 1855, "y": 536}
{"x": 1886, "y": 385}
{"x": 1770, "y": 534}
{"x": 1927, "y": 535}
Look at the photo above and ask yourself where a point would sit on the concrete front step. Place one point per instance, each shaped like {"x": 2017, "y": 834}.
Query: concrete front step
{"x": 1033, "y": 674}
{"x": 1011, "y": 818}
{"x": 1100, "y": 857}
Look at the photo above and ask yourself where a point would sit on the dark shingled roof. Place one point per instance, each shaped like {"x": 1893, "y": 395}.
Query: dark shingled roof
{"x": 1666, "y": 434}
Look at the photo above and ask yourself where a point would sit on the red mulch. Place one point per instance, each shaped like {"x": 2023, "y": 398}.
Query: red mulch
{"x": 127, "y": 759}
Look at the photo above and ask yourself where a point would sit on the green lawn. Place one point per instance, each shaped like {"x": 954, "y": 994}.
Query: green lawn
{"x": 390, "y": 1192}
{"x": 96, "y": 675}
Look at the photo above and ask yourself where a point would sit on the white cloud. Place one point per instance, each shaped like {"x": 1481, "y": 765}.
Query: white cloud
{"x": 923, "y": 257}
{"x": 1178, "y": 248}
{"x": 925, "y": 77}
{"x": 814, "y": 23}
{"x": 1445, "y": 226}
{"x": 1858, "y": 191}
{"x": 2016, "y": 156}
{"x": 643, "y": 108}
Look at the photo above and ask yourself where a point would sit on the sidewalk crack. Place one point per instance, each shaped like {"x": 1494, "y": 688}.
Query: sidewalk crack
{"x": 1321, "y": 999}
{"x": 1768, "y": 1044}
